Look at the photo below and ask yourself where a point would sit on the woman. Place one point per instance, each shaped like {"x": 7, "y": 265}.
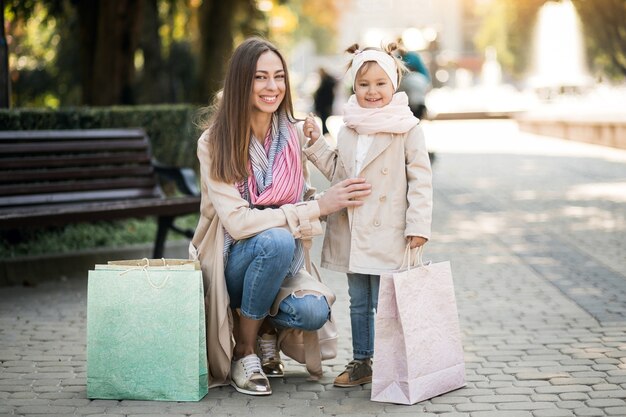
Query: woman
{"x": 256, "y": 207}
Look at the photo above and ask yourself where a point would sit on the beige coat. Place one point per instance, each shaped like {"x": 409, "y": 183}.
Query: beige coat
{"x": 371, "y": 239}
{"x": 223, "y": 208}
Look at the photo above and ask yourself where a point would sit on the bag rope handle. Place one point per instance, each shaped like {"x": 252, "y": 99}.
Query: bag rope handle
{"x": 144, "y": 268}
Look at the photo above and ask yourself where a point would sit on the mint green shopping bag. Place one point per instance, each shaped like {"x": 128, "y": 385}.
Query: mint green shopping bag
{"x": 146, "y": 336}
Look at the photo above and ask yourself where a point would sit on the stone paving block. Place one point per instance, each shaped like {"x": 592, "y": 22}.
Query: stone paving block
{"x": 574, "y": 396}
{"x": 616, "y": 393}
{"x": 303, "y": 411}
{"x": 557, "y": 389}
{"x": 615, "y": 411}
{"x": 526, "y": 405}
{"x": 605, "y": 402}
{"x": 498, "y": 399}
{"x": 553, "y": 413}
{"x": 605, "y": 387}
{"x": 164, "y": 415}
{"x": 576, "y": 381}
{"x": 45, "y": 409}
{"x": 515, "y": 390}
{"x": 588, "y": 412}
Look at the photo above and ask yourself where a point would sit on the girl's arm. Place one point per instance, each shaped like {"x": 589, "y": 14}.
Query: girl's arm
{"x": 320, "y": 153}
{"x": 419, "y": 190}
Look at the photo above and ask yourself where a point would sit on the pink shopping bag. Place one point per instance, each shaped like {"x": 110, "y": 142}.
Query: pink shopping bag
{"x": 417, "y": 350}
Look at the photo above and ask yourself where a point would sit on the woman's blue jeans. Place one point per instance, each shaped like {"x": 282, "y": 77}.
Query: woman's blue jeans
{"x": 363, "y": 291}
{"x": 255, "y": 270}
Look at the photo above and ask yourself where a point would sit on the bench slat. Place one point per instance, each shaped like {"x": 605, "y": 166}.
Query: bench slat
{"x": 18, "y": 177}
{"x": 18, "y": 191}
{"x": 70, "y": 147}
{"x": 70, "y": 134}
{"x": 102, "y": 158}
{"x": 21, "y": 201}
{"x": 62, "y": 214}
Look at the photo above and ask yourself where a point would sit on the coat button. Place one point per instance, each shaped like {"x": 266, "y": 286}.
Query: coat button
{"x": 376, "y": 223}
{"x": 382, "y": 198}
{"x": 385, "y": 171}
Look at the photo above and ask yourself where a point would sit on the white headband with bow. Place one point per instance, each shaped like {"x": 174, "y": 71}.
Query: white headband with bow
{"x": 386, "y": 62}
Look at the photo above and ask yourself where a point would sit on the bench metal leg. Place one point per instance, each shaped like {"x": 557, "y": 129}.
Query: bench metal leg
{"x": 165, "y": 223}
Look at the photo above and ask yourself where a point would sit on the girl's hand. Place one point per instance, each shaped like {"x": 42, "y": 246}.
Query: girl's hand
{"x": 346, "y": 193}
{"x": 311, "y": 129}
{"x": 417, "y": 241}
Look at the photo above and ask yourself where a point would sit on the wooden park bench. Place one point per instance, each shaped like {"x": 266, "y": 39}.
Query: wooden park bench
{"x": 57, "y": 177}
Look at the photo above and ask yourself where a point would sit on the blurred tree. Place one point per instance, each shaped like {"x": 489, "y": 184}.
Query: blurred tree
{"x": 604, "y": 24}
{"x": 217, "y": 20}
{"x": 103, "y": 52}
{"x": 109, "y": 35}
{"x": 152, "y": 83}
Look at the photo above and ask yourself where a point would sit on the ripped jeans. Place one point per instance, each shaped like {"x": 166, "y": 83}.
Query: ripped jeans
{"x": 254, "y": 272}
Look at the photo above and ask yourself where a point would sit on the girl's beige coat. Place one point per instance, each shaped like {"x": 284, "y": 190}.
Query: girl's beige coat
{"x": 371, "y": 239}
{"x": 223, "y": 208}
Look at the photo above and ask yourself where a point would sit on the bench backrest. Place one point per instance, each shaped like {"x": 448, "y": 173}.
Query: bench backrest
{"x": 73, "y": 166}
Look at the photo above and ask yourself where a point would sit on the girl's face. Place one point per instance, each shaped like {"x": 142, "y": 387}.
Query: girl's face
{"x": 268, "y": 89}
{"x": 372, "y": 86}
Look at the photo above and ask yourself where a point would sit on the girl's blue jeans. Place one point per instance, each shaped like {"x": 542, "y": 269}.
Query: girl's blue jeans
{"x": 255, "y": 270}
{"x": 363, "y": 291}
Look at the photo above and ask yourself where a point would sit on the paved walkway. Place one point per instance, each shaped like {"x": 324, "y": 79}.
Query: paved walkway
{"x": 535, "y": 229}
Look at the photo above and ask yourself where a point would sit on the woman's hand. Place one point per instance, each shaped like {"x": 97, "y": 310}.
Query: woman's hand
{"x": 311, "y": 129}
{"x": 347, "y": 193}
{"x": 416, "y": 241}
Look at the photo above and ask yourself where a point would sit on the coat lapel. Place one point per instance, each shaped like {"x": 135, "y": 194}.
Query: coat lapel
{"x": 379, "y": 144}
{"x": 347, "y": 151}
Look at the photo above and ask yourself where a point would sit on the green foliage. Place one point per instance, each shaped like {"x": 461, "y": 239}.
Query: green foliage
{"x": 171, "y": 128}
{"x": 77, "y": 237}
{"x": 604, "y": 26}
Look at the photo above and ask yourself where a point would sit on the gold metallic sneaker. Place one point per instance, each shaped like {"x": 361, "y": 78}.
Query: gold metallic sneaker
{"x": 267, "y": 350}
{"x": 358, "y": 372}
{"x": 247, "y": 376}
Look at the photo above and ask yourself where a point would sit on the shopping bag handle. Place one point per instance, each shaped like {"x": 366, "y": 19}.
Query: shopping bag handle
{"x": 144, "y": 268}
{"x": 407, "y": 257}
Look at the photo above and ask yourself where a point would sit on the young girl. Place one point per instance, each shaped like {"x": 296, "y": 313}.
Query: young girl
{"x": 383, "y": 143}
{"x": 256, "y": 208}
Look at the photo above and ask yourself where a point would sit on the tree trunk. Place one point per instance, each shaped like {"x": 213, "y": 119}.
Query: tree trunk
{"x": 154, "y": 82}
{"x": 5, "y": 84}
{"x": 216, "y": 20}
{"x": 109, "y": 37}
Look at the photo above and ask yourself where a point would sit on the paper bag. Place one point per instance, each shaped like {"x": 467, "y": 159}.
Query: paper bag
{"x": 417, "y": 350}
{"x": 146, "y": 332}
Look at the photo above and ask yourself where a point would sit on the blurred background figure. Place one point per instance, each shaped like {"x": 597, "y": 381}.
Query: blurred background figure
{"x": 324, "y": 97}
{"x": 416, "y": 82}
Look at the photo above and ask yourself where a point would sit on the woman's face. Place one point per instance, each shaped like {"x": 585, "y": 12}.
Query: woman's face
{"x": 268, "y": 89}
{"x": 372, "y": 86}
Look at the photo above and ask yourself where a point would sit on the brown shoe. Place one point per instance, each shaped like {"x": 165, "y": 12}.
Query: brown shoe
{"x": 270, "y": 356}
{"x": 358, "y": 372}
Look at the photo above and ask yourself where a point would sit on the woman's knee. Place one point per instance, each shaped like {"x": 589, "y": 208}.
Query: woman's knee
{"x": 314, "y": 311}
{"x": 277, "y": 241}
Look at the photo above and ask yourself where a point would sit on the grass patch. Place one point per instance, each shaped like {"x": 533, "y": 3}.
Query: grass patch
{"x": 84, "y": 236}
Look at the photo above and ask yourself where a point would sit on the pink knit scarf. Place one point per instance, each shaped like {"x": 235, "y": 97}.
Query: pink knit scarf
{"x": 395, "y": 117}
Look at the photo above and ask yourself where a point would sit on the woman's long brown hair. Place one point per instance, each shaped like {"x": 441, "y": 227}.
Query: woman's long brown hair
{"x": 229, "y": 128}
